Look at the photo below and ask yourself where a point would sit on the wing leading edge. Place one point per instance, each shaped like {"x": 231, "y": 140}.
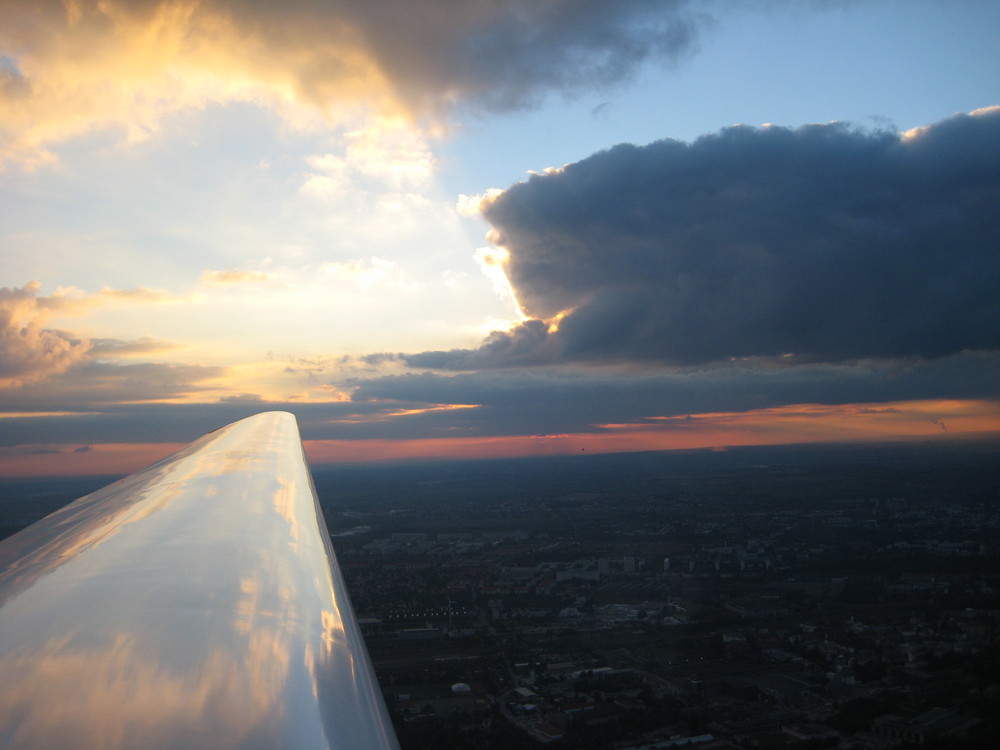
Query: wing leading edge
{"x": 197, "y": 603}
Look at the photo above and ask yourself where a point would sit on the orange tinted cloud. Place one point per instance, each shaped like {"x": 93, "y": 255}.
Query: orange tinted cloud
{"x": 28, "y": 351}
{"x": 235, "y": 276}
{"x": 85, "y": 64}
{"x": 75, "y": 66}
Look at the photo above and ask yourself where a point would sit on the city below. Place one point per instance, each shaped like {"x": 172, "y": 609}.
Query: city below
{"x": 843, "y": 596}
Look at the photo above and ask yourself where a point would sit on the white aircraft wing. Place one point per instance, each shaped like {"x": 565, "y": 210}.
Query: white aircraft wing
{"x": 195, "y": 604}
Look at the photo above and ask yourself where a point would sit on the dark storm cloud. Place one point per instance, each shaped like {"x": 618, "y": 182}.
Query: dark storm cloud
{"x": 497, "y": 54}
{"x": 429, "y": 55}
{"x": 393, "y": 57}
{"x": 504, "y": 54}
{"x": 825, "y": 242}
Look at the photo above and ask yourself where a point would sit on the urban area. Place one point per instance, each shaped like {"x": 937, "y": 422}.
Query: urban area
{"x": 842, "y": 597}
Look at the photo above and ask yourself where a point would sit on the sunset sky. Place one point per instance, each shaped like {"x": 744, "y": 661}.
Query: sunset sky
{"x": 495, "y": 227}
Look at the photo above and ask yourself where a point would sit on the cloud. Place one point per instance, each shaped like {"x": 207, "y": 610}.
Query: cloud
{"x": 113, "y": 348}
{"x": 386, "y": 170}
{"x": 30, "y": 352}
{"x": 961, "y": 391}
{"x": 365, "y": 274}
{"x": 824, "y": 242}
{"x": 242, "y": 398}
{"x": 525, "y": 344}
{"x": 300, "y": 282}
{"x": 395, "y": 158}
{"x": 95, "y": 384}
{"x": 72, "y": 67}
{"x": 505, "y": 54}
{"x": 572, "y": 399}
{"x": 235, "y": 276}
{"x": 142, "y": 295}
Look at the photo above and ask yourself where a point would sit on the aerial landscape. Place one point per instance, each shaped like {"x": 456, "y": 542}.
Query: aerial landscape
{"x": 779, "y": 596}
{"x": 646, "y": 354}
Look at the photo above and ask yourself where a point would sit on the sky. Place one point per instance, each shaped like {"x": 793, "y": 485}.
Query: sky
{"x": 495, "y": 227}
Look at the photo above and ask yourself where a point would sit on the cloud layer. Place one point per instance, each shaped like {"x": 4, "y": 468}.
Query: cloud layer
{"x": 70, "y": 67}
{"x": 498, "y": 403}
{"x": 824, "y": 243}
{"x": 565, "y": 400}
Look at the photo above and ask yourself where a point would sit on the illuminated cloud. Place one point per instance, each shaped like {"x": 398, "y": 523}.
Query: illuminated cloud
{"x": 31, "y": 351}
{"x": 374, "y": 186}
{"x": 77, "y": 66}
{"x": 141, "y": 295}
{"x": 28, "y": 351}
{"x": 397, "y": 157}
{"x": 472, "y": 205}
{"x": 311, "y": 280}
{"x": 365, "y": 274}
{"x": 87, "y": 65}
{"x": 235, "y": 276}
{"x": 383, "y": 159}
{"x": 42, "y": 366}
{"x": 822, "y": 243}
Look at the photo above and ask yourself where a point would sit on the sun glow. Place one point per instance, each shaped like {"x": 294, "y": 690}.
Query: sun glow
{"x": 493, "y": 261}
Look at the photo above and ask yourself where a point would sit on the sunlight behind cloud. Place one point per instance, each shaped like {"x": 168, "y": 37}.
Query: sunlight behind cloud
{"x": 492, "y": 261}
{"x": 395, "y": 153}
{"x": 235, "y": 315}
{"x": 84, "y": 65}
{"x": 472, "y": 205}
{"x": 378, "y": 182}
{"x": 366, "y": 274}
{"x": 240, "y": 203}
{"x": 115, "y": 64}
